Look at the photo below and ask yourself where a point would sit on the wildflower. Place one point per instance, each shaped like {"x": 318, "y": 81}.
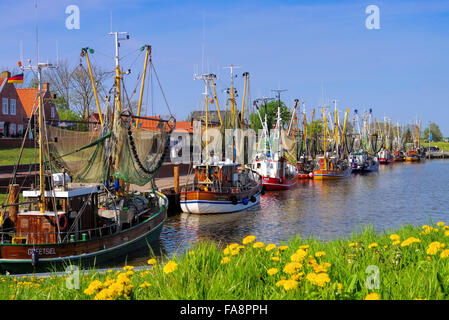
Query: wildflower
{"x": 258, "y": 245}
{"x": 319, "y": 279}
{"x": 352, "y": 244}
{"x": 128, "y": 268}
{"x": 372, "y": 296}
{"x": 225, "y": 260}
{"x": 280, "y": 282}
{"x": 433, "y": 248}
{"x": 13, "y": 296}
{"x": 321, "y": 267}
{"x": 151, "y": 261}
{"x": 304, "y": 247}
{"x": 275, "y": 259}
{"x": 291, "y": 267}
{"x": 233, "y": 246}
{"x": 234, "y": 252}
{"x": 444, "y": 254}
{"x": 272, "y": 271}
{"x": 298, "y": 256}
{"x": 320, "y": 254}
{"x": 170, "y": 267}
{"x": 409, "y": 241}
{"x": 290, "y": 285}
{"x": 395, "y": 237}
{"x": 110, "y": 270}
{"x": 145, "y": 285}
{"x": 440, "y": 223}
{"x": 296, "y": 276}
{"x": 373, "y": 245}
{"x": 248, "y": 239}
{"x": 270, "y": 247}
{"x": 93, "y": 287}
{"x": 191, "y": 253}
{"x": 339, "y": 286}
{"x": 396, "y": 242}
{"x": 446, "y": 233}
{"x": 282, "y": 248}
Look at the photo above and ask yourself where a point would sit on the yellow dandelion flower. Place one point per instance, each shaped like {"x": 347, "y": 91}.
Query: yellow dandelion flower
{"x": 291, "y": 267}
{"x": 444, "y": 254}
{"x": 280, "y": 282}
{"x": 272, "y": 271}
{"x": 233, "y": 246}
{"x": 275, "y": 259}
{"x": 145, "y": 285}
{"x": 290, "y": 285}
{"x": 258, "y": 245}
{"x": 446, "y": 233}
{"x": 395, "y": 237}
{"x": 318, "y": 279}
{"x": 396, "y": 242}
{"x": 191, "y": 253}
{"x": 298, "y": 256}
{"x": 128, "y": 268}
{"x": 170, "y": 267}
{"x": 339, "y": 286}
{"x": 409, "y": 241}
{"x": 304, "y": 247}
{"x": 152, "y": 261}
{"x": 320, "y": 254}
{"x": 270, "y": 247}
{"x": 297, "y": 276}
{"x": 373, "y": 245}
{"x": 225, "y": 260}
{"x": 440, "y": 223}
{"x": 433, "y": 248}
{"x": 352, "y": 244}
{"x": 282, "y": 248}
{"x": 248, "y": 239}
{"x": 373, "y": 296}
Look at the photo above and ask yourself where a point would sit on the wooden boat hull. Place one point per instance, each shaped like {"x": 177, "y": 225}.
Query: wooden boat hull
{"x": 208, "y": 202}
{"x": 16, "y": 258}
{"x": 412, "y": 159}
{"x": 271, "y": 184}
{"x": 385, "y": 161}
{"x": 399, "y": 159}
{"x": 331, "y": 174}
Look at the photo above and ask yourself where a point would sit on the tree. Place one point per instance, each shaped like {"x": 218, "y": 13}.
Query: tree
{"x": 272, "y": 110}
{"x": 436, "y": 132}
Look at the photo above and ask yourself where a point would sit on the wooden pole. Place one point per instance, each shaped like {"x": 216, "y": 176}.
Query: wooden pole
{"x": 176, "y": 178}
{"x": 13, "y": 198}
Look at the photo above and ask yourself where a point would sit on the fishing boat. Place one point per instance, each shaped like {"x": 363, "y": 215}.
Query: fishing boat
{"x": 362, "y": 161}
{"x": 399, "y": 156}
{"x": 83, "y": 212}
{"x": 220, "y": 186}
{"x": 385, "y": 157}
{"x": 333, "y": 166}
{"x": 412, "y": 156}
{"x": 274, "y": 163}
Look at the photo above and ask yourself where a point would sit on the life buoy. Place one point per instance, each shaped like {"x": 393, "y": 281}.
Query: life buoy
{"x": 234, "y": 200}
{"x": 253, "y": 199}
{"x": 64, "y": 225}
{"x": 245, "y": 201}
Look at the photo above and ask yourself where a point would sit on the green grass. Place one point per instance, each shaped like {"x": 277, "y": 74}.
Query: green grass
{"x": 442, "y": 145}
{"x": 9, "y": 156}
{"x": 405, "y": 272}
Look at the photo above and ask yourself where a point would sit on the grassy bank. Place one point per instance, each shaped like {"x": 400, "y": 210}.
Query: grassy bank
{"x": 412, "y": 263}
{"x": 9, "y": 156}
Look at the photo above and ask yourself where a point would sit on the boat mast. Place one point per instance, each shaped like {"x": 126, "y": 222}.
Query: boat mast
{"x": 147, "y": 49}
{"x": 118, "y": 73}
{"x": 278, "y": 120}
{"x": 232, "y": 92}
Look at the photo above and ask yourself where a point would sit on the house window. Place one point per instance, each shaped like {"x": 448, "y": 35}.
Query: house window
{"x": 12, "y": 129}
{"x": 5, "y": 105}
{"x": 13, "y": 106}
{"x": 52, "y": 112}
{"x": 20, "y": 129}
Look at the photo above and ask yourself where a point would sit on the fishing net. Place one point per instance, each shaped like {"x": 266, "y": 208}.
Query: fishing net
{"x": 79, "y": 153}
{"x": 134, "y": 155}
{"x": 290, "y": 147}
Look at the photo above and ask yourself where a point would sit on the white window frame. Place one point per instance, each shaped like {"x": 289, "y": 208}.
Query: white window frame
{"x": 12, "y": 107}
{"x": 5, "y": 105}
{"x": 20, "y": 129}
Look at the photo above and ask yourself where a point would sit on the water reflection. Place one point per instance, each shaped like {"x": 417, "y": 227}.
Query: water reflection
{"x": 399, "y": 193}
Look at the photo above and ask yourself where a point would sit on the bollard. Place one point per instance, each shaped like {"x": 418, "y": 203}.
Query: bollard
{"x": 13, "y": 198}
{"x": 176, "y": 178}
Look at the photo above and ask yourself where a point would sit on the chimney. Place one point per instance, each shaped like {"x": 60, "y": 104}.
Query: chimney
{"x": 46, "y": 86}
{"x": 5, "y": 75}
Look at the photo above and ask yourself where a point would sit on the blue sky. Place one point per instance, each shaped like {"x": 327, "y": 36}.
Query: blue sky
{"x": 307, "y": 47}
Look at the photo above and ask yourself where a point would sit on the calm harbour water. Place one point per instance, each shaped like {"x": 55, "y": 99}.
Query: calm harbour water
{"x": 399, "y": 193}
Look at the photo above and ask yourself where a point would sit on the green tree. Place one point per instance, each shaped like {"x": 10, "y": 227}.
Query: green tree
{"x": 436, "y": 132}
{"x": 272, "y": 109}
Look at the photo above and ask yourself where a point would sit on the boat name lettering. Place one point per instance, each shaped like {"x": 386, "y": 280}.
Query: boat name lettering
{"x": 44, "y": 251}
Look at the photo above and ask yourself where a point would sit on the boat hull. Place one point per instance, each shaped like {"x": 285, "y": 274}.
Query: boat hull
{"x": 412, "y": 159}
{"x": 331, "y": 174}
{"x": 16, "y": 258}
{"x": 385, "y": 161}
{"x": 271, "y": 184}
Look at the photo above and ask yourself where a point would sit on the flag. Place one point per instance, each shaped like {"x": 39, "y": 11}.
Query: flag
{"x": 18, "y": 78}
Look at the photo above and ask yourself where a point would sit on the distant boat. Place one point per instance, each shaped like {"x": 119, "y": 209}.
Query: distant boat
{"x": 385, "y": 157}
{"x": 399, "y": 156}
{"x": 361, "y": 161}
{"x": 332, "y": 169}
{"x": 412, "y": 156}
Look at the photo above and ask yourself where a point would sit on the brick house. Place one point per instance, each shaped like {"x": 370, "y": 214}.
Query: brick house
{"x": 17, "y": 105}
